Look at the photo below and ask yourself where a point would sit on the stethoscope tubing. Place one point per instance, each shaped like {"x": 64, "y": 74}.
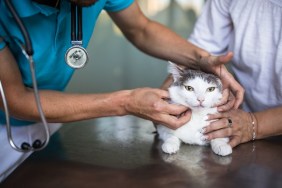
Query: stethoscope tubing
{"x": 76, "y": 22}
{"x": 28, "y": 52}
{"x": 29, "y": 49}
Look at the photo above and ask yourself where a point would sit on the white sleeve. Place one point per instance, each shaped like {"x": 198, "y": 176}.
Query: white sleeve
{"x": 213, "y": 28}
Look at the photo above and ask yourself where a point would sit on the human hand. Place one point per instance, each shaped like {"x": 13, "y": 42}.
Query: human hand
{"x": 215, "y": 64}
{"x": 168, "y": 81}
{"x": 240, "y": 131}
{"x": 151, "y": 104}
{"x": 227, "y": 101}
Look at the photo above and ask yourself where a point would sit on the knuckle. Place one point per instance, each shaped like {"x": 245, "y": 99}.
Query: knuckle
{"x": 157, "y": 106}
{"x": 230, "y": 132}
{"x": 209, "y": 127}
{"x": 179, "y": 124}
{"x": 232, "y": 143}
{"x": 175, "y": 126}
{"x": 211, "y": 136}
{"x": 231, "y": 101}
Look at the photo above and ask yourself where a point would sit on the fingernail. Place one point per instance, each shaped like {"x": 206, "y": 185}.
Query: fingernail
{"x": 203, "y": 130}
{"x": 206, "y": 117}
{"x": 204, "y": 138}
{"x": 219, "y": 109}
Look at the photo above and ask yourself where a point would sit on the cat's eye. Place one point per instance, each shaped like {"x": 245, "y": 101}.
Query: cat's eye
{"x": 189, "y": 88}
{"x": 210, "y": 89}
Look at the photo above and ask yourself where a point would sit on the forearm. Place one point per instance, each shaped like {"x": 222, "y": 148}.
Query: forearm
{"x": 64, "y": 107}
{"x": 156, "y": 39}
{"x": 269, "y": 123}
{"x": 159, "y": 41}
{"x": 57, "y": 106}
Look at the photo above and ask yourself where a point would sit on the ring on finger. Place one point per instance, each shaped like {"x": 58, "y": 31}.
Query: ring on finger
{"x": 229, "y": 124}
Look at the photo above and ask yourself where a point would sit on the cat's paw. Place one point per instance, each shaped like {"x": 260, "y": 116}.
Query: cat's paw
{"x": 170, "y": 148}
{"x": 221, "y": 148}
{"x": 171, "y": 145}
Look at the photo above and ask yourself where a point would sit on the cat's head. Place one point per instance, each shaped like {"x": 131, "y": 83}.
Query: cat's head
{"x": 194, "y": 88}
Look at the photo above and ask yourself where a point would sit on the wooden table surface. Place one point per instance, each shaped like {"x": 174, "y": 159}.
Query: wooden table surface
{"x": 123, "y": 152}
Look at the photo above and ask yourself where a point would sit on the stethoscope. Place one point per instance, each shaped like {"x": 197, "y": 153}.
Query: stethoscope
{"x": 75, "y": 57}
{"x": 28, "y": 52}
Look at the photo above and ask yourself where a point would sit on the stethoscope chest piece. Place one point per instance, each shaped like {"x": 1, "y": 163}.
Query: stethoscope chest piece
{"x": 76, "y": 57}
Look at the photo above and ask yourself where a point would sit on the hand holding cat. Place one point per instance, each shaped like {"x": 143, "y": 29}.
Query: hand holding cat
{"x": 240, "y": 132}
{"x": 215, "y": 64}
{"x": 226, "y": 103}
{"x": 151, "y": 104}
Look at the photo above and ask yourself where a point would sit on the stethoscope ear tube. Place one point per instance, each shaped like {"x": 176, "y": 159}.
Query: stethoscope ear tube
{"x": 28, "y": 44}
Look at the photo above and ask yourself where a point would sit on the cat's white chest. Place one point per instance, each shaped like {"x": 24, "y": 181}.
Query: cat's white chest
{"x": 190, "y": 133}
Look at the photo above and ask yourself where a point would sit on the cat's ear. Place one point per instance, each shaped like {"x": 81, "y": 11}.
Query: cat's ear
{"x": 175, "y": 70}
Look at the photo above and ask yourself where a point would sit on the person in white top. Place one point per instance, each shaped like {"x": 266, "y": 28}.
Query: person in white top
{"x": 252, "y": 30}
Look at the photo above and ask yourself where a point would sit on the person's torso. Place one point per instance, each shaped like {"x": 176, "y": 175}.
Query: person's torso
{"x": 257, "y": 47}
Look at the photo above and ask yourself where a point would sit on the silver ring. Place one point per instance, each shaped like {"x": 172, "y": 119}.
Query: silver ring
{"x": 229, "y": 122}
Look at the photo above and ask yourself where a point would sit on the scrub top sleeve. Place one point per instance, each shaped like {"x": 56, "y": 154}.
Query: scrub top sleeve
{"x": 2, "y": 42}
{"x": 213, "y": 27}
{"x": 117, "y": 5}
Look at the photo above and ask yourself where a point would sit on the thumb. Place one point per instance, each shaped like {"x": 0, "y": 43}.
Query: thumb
{"x": 162, "y": 93}
{"x": 223, "y": 59}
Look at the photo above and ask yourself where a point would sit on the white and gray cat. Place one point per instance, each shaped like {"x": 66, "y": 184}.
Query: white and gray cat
{"x": 200, "y": 92}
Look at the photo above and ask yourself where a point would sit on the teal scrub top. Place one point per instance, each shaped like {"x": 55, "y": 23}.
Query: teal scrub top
{"x": 49, "y": 29}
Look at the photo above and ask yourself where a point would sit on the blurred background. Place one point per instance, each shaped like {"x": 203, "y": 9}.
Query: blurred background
{"x": 115, "y": 64}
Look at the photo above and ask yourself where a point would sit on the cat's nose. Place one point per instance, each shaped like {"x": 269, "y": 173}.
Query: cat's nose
{"x": 201, "y": 99}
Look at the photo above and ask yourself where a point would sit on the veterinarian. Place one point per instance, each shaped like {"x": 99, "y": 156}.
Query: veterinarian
{"x": 48, "y": 24}
{"x": 233, "y": 25}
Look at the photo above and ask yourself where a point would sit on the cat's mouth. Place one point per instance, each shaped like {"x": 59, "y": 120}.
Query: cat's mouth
{"x": 199, "y": 106}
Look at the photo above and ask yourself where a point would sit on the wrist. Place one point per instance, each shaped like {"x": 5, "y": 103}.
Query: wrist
{"x": 202, "y": 58}
{"x": 200, "y": 53}
{"x": 257, "y": 125}
{"x": 122, "y": 98}
{"x": 191, "y": 56}
{"x": 253, "y": 126}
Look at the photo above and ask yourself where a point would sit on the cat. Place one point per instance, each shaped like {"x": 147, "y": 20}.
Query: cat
{"x": 199, "y": 91}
